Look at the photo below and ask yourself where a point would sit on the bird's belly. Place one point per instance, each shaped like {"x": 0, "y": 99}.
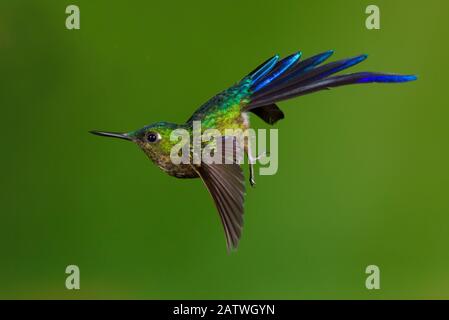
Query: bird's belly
{"x": 182, "y": 171}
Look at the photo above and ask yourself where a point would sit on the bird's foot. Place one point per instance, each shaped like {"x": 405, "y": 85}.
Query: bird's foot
{"x": 252, "y": 182}
{"x": 252, "y": 161}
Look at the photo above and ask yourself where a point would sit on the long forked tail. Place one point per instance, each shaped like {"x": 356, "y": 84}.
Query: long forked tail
{"x": 276, "y": 80}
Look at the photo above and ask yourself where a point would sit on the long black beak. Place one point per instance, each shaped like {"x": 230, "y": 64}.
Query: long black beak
{"x": 112, "y": 134}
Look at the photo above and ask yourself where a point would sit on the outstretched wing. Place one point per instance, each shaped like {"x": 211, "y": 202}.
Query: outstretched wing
{"x": 225, "y": 183}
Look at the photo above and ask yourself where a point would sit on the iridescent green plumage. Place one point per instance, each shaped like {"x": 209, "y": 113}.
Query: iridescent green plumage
{"x": 224, "y": 109}
{"x": 258, "y": 93}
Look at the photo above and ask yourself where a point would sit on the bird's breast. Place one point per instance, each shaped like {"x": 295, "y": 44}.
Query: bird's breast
{"x": 176, "y": 170}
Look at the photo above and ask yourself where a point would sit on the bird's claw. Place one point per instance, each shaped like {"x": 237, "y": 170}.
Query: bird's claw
{"x": 252, "y": 182}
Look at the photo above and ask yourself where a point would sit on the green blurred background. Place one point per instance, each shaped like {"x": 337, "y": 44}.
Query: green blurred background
{"x": 363, "y": 175}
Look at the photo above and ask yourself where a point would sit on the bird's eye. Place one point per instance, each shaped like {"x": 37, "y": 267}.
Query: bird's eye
{"x": 153, "y": 137}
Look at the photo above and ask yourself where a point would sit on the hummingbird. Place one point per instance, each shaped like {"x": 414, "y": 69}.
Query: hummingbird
{"x": 258, "y": 93}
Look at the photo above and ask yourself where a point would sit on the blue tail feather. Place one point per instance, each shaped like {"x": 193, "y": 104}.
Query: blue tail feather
{"x": 339, "y": 66}
{"x": 308, "y": 64}
{"x": 387, "y": 78}
{"x": 302, "y": 76}
{"x": 330, "y": 82}
{"x": 281, "y": 67}
{"x": 275, "y": 80}
{"x": 263, "y": 69}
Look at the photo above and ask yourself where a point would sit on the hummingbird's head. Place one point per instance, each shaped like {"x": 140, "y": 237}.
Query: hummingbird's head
{"x": 153, "y": 139}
